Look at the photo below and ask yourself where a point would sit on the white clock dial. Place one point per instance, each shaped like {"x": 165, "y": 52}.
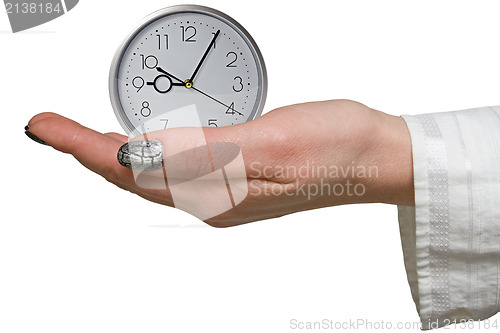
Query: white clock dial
{"x": 187, "y": 56}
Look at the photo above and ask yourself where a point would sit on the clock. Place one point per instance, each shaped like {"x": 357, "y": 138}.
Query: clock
{"x": 187, "y": 57}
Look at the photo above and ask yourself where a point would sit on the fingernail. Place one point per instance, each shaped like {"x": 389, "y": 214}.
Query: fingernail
{"x": 33, "y": 136}
{"x": 141, "y": 155}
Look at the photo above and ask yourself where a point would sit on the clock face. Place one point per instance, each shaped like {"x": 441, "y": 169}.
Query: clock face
{"x": 187, "y": 57}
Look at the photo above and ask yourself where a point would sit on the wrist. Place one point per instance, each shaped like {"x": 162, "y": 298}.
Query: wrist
{"x": 393, "y": 155}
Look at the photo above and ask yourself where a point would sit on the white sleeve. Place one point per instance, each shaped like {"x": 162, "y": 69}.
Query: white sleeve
{"x": 451, "y": 238}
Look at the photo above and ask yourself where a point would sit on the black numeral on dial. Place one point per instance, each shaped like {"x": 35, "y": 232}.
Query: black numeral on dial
{"x": 149, "y": 62}
{"x": 138, "y": 83}
{"x": 188, "y": 33}
{"x": 231, "y": 110}
{"x": 238, "y": 86}
{"x": 232, "y": 59}
{"x": 145, "y": 111}
{"x": 162, "y": 41}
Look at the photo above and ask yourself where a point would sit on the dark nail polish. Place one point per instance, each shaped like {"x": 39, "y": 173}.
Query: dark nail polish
{"x": 141, "y": 155}
{"x": 33, "y": 136}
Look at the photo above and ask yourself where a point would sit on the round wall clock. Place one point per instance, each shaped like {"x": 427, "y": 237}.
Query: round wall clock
{"x": 187, "y": 57}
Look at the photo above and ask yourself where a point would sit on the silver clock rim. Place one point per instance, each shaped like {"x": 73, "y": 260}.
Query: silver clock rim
{"x": 113, "y": 74}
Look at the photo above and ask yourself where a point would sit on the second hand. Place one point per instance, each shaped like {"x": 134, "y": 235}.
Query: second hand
{"x": 161, "y": 70}
{"x": 228, "y": 107}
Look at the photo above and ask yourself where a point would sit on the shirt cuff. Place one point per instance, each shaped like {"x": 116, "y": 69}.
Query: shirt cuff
{"x": 451, "y": 237}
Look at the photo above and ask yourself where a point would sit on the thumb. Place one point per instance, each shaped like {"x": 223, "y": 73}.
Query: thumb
{"x": 189, "y": 152}
{"x": 203, "y": 168}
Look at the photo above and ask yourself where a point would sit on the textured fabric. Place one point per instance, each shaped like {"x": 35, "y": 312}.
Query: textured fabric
{"x": 451, "y": 237}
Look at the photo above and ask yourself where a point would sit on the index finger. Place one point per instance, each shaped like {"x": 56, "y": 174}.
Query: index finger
{"x": 94, "y": 150}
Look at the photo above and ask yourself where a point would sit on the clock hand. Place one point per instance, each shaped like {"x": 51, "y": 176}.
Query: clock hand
{"x": 169, "y": 86}
{"x": 204, "y": 56}
{"x": 173, "y": 83}
{"x": 227, "y": 106}
{"x": 161, "y": 70}
{"x": 186, "y": 83}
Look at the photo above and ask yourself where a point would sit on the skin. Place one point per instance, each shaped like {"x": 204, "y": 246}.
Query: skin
{"x": 339, "y": 133}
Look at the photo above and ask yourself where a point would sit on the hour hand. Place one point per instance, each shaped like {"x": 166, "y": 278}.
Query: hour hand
{"x": 186, "y": 83}
{"x": 161, "y": 70}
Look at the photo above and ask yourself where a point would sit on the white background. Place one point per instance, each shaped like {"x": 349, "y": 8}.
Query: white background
{"x": 78, "y": 254}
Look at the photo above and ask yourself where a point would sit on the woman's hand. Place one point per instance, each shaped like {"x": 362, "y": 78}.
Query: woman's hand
{"x": 295, "y": 158}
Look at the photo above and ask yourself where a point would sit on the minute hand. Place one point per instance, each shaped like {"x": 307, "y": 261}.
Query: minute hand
{"x": 204, "y": 56}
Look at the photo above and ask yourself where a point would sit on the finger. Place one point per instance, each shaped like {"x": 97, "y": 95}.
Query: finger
{"x": 207, "y": 169}
{"x": 188, "y": 147}
{"x": 117, "y": 136}
{"x": 262, "y": 143}
{"x": 41, "y": 116}
{"x": 94, "y": 150}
